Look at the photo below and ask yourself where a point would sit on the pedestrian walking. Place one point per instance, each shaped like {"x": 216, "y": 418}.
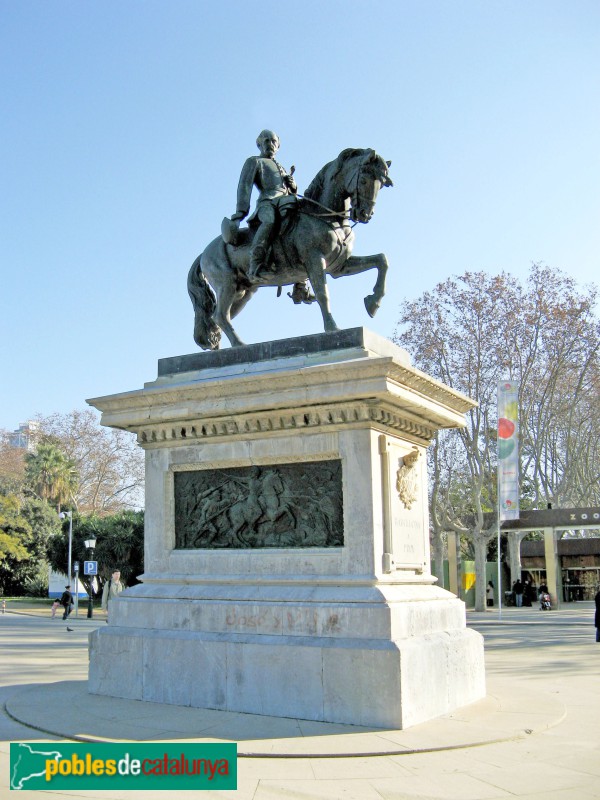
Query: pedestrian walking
{"x": 489, "y": 594}
{"x": 597, "y": 617}
{"x": 66, "y": 601}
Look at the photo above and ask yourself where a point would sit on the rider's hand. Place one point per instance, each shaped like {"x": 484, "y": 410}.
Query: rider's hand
{"x": 238, "y": 216}
{"x": 291, "y": 184}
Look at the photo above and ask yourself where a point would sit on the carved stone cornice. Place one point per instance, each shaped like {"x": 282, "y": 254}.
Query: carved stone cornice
{"x": 321, "y": 417}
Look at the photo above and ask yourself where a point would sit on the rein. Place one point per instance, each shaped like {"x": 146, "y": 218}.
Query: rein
{"x": 342, "y": 215}
{"x": 330, "y": 213}
{"x": 354, "y": 197}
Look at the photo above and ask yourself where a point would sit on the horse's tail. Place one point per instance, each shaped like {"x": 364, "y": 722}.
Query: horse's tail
{"x": 207, "y": 333}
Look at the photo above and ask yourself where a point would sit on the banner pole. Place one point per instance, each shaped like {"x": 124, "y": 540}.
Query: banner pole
{"x": 499, "y": 576}
{"x": 498, "y": 517}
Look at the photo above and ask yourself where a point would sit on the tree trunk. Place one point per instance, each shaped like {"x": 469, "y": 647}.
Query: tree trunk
{"x": 480, "y": 544}
{"x": 437, "y": 552}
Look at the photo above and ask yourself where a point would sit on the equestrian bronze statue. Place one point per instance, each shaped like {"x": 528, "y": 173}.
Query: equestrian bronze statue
{"x": 290, "y": 239}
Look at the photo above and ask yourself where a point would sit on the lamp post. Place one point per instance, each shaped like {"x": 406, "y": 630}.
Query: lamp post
{"x": 91, "y": 544}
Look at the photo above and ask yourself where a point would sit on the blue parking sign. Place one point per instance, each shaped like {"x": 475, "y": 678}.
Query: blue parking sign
{"x": 90, "y": 567}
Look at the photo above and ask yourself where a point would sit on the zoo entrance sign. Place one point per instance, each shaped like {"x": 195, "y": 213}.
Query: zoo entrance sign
{"x": 565, "y": 518}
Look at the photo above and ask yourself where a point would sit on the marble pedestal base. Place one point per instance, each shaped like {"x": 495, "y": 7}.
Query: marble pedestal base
{"x": 368, "y": 662}
{"x": 340, "y": 624}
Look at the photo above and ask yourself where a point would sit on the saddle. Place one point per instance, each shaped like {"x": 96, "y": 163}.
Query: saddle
{"x": 243, "y": 237}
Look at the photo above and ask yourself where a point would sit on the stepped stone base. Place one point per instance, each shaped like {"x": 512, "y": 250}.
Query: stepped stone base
{"x": 347, "y": 624}
{"x": 363, "y": 663}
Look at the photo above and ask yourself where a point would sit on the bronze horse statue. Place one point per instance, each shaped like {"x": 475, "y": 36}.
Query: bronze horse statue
{"x": 315, "y": 241}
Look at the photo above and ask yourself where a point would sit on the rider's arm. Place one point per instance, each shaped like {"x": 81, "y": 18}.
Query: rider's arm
{"x": 245, "y": 188}
{"x": 290, "y": 182}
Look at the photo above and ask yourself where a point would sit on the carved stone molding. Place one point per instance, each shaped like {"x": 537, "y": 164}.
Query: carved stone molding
{"x": 314, "y": 417}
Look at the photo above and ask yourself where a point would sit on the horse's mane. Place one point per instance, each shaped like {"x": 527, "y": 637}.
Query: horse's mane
{"x": 315, "y": 188}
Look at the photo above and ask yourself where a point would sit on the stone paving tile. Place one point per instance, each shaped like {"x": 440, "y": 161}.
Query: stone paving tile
{"x": 582, "y": 761}
{"x": 455, "y": 786}
{"x": 276, "y": 768}
{"x": 249, "y": 727}
{"x": 314, "y": 746}
{"x": 560, "y": 794}
{"x": 502, "y": 756}
{"x": 535, "y": 776}
{"x": 316, "y": 790}
{"x": 346, "y": 768}
{"x": 441, "y": 762}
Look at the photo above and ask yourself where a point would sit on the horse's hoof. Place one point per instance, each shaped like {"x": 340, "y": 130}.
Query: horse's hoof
{"x": 371, "y": 305}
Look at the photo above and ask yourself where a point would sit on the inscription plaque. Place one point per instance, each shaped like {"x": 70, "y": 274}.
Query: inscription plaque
{"x": 277, "y": 505}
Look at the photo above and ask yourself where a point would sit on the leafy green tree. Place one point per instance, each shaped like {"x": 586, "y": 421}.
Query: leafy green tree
{"x": 51, "y": 474}
{"x": 119, "y": 545}
{"x": 28, "y": 523}
{"x": 14, "y": 528}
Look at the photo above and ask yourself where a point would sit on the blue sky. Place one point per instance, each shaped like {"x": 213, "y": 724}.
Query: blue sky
{"x": 125, "y": 125}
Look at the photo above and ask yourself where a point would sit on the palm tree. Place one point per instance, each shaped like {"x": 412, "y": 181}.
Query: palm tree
{"x": 51, "y": 474}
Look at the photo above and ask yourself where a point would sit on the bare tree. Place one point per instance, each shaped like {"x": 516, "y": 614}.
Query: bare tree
{"x": 475, "y": 330}
{"x": 110, "y": 465}
{"x": 453, "y": 334}
{"x": 560, "y": 390}
{"x": 12, "y": 466}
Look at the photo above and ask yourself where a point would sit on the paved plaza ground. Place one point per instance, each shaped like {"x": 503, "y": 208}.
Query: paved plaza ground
{"x": 536, "y": 736}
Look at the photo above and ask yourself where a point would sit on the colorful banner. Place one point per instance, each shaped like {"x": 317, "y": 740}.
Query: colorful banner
{"x": 508, "y": 450}
{"x": 172, "y": 766}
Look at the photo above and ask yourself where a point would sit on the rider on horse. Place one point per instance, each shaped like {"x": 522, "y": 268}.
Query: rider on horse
{"x": 277, "y": 196}
{"x": 345, "y": 189}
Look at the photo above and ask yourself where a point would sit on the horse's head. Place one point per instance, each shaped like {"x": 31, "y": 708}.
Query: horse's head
{"x": 354, "y": 178}
{"x": 365, "y": 179}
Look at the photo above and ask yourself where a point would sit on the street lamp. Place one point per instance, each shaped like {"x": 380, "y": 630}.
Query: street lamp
{"x": 91, "y": 544}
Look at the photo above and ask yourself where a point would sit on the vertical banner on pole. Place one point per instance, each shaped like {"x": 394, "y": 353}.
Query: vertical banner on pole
{"x": 508, "y": 450}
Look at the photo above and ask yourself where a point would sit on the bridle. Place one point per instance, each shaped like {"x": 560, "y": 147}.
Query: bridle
{"x": 355, "y": 200}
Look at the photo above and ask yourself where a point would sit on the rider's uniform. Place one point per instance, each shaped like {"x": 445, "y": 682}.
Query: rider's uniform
{"x": 274, "y": 200}
{"x": 269, "y": 177}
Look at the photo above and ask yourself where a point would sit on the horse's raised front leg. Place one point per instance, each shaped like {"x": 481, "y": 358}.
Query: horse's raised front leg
{"x": 356, "y": 264}
{"x": 315, "y": 268}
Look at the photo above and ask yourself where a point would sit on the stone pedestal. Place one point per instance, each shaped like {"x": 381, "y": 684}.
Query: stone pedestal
{"x": 287, "y": 566}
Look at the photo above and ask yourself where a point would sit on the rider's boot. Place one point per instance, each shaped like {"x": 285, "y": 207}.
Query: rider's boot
{"x": 258, "y": 257}
{"x": 258, "y": 252}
